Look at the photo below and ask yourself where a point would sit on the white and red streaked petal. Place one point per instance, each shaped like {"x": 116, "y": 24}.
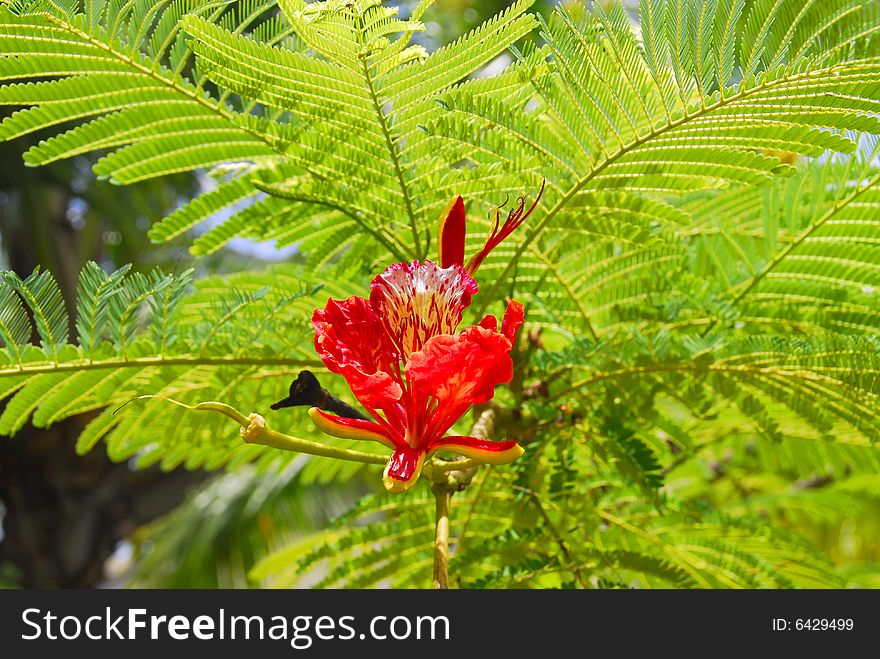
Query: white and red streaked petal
{"x": 419, "y": 300}
{"x": 403, "y": 469}
{"x": 484, "y": 450}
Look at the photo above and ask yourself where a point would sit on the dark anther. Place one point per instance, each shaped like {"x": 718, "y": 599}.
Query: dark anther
{"x": 306, "y": 390}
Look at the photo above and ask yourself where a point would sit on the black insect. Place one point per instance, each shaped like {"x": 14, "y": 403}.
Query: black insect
{"x": 306, "y": 390}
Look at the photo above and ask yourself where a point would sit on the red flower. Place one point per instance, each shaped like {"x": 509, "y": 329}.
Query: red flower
{"x": 402, "y": 359}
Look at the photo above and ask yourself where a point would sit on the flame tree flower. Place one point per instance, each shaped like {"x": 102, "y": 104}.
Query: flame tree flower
{"x": 405, "y": 363}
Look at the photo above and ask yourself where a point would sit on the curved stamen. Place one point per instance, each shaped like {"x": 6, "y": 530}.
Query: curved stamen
{"x": 515, "y": 218}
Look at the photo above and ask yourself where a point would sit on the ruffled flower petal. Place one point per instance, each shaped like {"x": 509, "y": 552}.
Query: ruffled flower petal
{"x": 457, "y": 372}
{"x": 462, "y": 369}
{"x": 490, "y": 323}
{"x": 348, "y": 332}
{"x": 514, "y": 316}
{"x": 349, "y": 340}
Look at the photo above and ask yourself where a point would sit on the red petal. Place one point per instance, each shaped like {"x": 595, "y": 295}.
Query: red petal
{"x": 349, "y": 339}
{"x": 403, "y": 469}
{"x": 453, "y": 228}
{"x": 484, "y": 450}
{"x": 338, "y": 426}
{"x": 463, "y": 368}
{"x": 375, "y": 391}
{"x": 514, "y": 317}
{"x": 348, "y": 332}
{"x": 490, "y": 323}
{"x": 458, "y": 371}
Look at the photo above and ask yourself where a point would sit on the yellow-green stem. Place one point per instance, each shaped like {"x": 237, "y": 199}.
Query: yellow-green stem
{"x": 442, "y": 497}
{"x": 255, "y": 431}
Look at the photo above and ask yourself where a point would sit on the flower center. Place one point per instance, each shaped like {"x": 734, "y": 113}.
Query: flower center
{"x": 419, "y": 300}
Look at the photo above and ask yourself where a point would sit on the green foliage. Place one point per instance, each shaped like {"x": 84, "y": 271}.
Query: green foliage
{"x": 45, "y": 302}
{"x": 239, "y": 340}
{"x": 595, "y": 532}
{"x": 698, "y": 393}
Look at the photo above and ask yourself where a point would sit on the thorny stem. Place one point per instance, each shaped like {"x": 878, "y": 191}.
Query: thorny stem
{"x": 442, "y": 496}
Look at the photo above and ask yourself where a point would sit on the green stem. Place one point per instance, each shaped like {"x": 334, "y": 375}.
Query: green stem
{"x": 437, "y": 466}
{"x": 442, "y": 498}
{"x": 756, "y": 279}
{"x": 255, "y": 431}
{"x": 284, "y": 442}
{"x": 447, "y": 478}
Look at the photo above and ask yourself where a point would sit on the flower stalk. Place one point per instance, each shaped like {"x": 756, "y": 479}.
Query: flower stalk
{"x": 442, "y": 497}
{"x": 255, "y": 430}
{"x": 447, "y": 478}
